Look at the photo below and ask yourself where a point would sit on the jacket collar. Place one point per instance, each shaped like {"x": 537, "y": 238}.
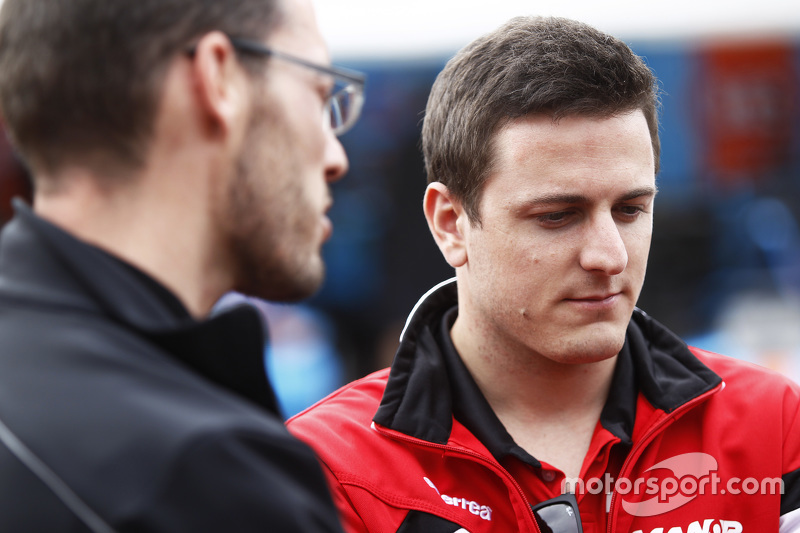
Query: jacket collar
{"x": 419, "y": 395}
{"x": 44, "y": 266}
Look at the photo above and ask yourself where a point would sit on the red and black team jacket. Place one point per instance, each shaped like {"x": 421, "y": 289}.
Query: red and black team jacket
{"x": 688, "y": 442}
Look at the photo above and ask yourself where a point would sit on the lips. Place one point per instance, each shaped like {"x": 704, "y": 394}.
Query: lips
{"x": 327, "y": 228}
{"x": 594, "y": 297}
{"x": 602, "y": 302}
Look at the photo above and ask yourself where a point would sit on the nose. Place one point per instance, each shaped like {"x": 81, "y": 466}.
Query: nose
{"x": 336, "y": 163}
{"x": 604, "y": 249}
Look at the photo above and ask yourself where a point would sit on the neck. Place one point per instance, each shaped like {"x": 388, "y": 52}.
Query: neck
{"x": 532, "y": 386}
{"x": 515, "y": 378}
{"x": 157, "y": 227}
{"x": 549, "y": 408}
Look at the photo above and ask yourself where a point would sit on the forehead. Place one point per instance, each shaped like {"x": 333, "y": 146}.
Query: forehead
{"x": 534, "y": 152}
{"x": 299, "y": 32}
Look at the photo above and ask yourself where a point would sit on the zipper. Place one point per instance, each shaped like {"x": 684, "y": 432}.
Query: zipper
{"x": 645, "y": 441}
{"x": 392, "y": 434}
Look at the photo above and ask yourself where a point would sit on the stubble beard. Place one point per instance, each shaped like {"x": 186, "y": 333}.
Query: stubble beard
{"x": 270, "y": 260}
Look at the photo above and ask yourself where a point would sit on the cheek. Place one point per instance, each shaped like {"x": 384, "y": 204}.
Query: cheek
{"x": 492, "y": 254}
{"x": 525, "y": 255}
{"x": 309, "y": 145}
{"x": 307, "y": 118}
{"x": 638, "y": 246}
{"x": 298, "y": 113}
{"x": 638, "y": 251}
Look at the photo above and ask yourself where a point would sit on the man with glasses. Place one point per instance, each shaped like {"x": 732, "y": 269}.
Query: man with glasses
{"x": 179, "y": 149}
{"x": 529, "y": 394}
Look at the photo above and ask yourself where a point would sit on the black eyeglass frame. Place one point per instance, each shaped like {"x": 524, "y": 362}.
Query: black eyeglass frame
{"x": 567, "y": 500}
{"x": 353, "y": 80}
{"x": 252, "y": 47}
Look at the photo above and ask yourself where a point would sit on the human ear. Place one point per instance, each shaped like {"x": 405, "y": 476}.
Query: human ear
{"x": 446, "y": 218}
{"x": 219, "y": 82}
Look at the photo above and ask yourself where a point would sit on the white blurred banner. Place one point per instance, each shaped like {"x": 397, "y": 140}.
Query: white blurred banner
{"x": 418, "y": 28}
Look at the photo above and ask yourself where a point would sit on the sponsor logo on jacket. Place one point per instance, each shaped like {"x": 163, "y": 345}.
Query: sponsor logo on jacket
{"x": 709, "y": 525}
{"x": 484, "y": 511}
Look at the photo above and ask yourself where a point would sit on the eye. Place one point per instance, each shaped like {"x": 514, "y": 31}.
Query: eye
{"x": 631, "y": 211}
{"x": 555, "y": 219}
{"x": 325, "y": 93}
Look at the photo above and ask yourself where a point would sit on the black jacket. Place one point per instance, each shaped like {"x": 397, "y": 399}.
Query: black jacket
{"x": 120, "y": 412}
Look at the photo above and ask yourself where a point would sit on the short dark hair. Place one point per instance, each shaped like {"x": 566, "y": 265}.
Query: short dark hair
{"x": 82, "y": 78}
{"x": 530, "y": 65}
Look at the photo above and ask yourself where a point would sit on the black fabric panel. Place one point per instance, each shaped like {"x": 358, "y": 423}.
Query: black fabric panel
{"x": 672, "y": 375}
{"x": 29, "y": 504}
{"x": 619, "y": 412}
{"x": 227, "y": 349}
{"x": 419, "y": 522}
{"x": 790, "y": 499}
{"x": 417, "y": 399}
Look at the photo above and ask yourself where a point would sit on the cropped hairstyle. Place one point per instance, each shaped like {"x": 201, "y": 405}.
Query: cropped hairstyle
{"x": 81, "y": 80}
{"x": 530, "y": 65}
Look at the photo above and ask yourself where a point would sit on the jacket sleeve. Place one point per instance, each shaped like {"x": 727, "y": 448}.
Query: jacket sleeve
{"x": 351, "y": 521}
{"x": 243, "y": 483}
{"x": 790, "y": 497}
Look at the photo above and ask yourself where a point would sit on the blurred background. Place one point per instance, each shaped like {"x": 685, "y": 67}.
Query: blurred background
{"x": 724, "y": 269}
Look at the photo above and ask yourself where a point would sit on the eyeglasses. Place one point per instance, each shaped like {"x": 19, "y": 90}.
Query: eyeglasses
{"x": 347, "y": 96}
{"x": 558, "y": 515}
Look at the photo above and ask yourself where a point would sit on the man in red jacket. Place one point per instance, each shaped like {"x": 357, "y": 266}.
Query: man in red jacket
{"x": 529, "y": 393}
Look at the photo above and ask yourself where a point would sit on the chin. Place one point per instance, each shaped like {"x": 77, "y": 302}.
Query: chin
{"x": 586, "y": 358}
{"x": 286, "y": 285}
{"x": 294, "y": 290}
{"x": 593, "y": 348}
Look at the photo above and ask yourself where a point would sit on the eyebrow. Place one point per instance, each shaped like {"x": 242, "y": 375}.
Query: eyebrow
{"x": 558, "y": 198}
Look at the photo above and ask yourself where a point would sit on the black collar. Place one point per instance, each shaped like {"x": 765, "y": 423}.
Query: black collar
{"x": 42, "y": 265}
{"x": 470, "y": 407}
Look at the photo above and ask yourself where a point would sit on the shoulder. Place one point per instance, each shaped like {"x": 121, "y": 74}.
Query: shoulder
{"x": 758, "y": 412}
{"x": 221, "y": 479}
{"x": 335, "y": 423}
{"x": 750, "y": 388}
{"x": 746, "y": 375}
{"x": 353, "y": 403}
